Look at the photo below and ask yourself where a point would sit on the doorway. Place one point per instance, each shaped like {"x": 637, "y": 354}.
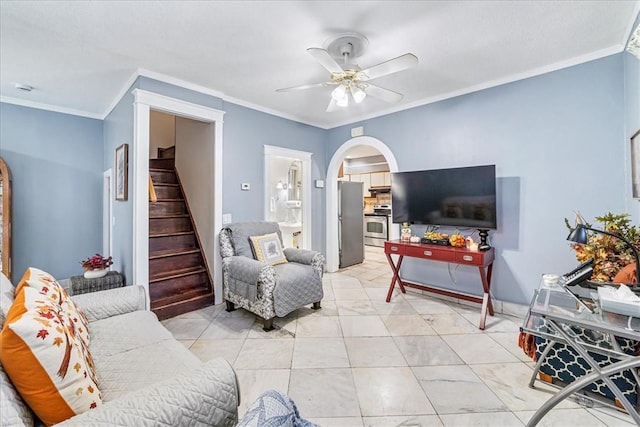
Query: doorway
{"x": 144, "y": 102}
{"x": 287, "y": 193}
{"x": 332, "y": 243}
{"x": 107, "y": 213}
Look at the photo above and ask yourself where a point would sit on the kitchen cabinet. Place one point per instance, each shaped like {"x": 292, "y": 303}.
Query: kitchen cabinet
{"x": 380, "y": 179}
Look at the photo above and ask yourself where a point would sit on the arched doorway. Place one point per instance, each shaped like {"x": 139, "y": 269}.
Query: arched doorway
{"x": 332, "y": 193}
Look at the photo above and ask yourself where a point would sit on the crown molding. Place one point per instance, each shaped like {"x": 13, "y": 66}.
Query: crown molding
{"x": 49, "y": 107}
{"x": 266, "y": 110}
{"x": 140, "y": 72}
{"x": 494, "y": 83}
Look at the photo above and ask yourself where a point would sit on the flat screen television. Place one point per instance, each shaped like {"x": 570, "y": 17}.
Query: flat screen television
{"x": 455, "y": 197}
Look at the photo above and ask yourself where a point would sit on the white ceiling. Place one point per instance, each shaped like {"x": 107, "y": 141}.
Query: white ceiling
{"x": 79, "y": 56}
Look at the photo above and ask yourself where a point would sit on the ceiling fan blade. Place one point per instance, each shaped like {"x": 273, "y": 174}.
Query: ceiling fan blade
{"x": 394, "y": 65}
{"x": 309, "y": 86}
{"x": 323, "y": 57}
{"x": 383, "y": 94}
{"x": 333, "y": 106}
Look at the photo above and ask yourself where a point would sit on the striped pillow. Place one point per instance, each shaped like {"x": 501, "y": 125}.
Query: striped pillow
{"x": 47, "y": 361}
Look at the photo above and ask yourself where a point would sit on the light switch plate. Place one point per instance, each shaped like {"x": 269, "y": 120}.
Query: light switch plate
{"x": 319, "y": 183}
{"x": 245, "y": 186}
{"x": 226, "y": 219}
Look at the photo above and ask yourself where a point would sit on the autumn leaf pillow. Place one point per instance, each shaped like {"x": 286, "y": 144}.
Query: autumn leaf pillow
{"x": 47, "y": 361}
{"x": 49, "y": 288}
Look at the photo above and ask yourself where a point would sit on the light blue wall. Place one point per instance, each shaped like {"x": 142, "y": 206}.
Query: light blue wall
{"x": 55, "y": 161}
{"x": 246, "y": 132}
{"x": 632, "y": 123}
{"x": 632, "y": 109}
{"x": 559, "y": 146}
{"x": 118, "y": 130}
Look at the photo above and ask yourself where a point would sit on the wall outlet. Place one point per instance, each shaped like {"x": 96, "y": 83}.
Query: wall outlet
{"x": 226, "y": 219}
{"x": 245, "y": 186}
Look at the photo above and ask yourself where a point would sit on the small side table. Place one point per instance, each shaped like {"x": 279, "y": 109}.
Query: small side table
{"x": 554, "y": 315}
{"x": 81, "y": 285}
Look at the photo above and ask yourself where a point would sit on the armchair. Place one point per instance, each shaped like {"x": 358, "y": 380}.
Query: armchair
{"x": 263, "y": 289}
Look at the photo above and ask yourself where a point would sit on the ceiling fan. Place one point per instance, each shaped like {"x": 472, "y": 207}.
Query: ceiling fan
{"x": 348, "y": 78}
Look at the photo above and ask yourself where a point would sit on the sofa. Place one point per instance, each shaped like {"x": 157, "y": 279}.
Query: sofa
{"x": 144, "y": 375}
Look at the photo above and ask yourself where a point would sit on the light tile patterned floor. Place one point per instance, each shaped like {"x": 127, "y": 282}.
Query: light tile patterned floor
{"x": 359, "y": 361}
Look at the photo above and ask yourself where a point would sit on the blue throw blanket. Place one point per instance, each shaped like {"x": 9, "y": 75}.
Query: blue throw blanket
{"x": 274, "y": 409}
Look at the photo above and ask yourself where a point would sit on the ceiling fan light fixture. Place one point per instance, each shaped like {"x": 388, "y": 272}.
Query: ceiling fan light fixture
{"x": 339, "y": 93}
{"x": 358, "y": 94}
{"x": 344, "y": 102}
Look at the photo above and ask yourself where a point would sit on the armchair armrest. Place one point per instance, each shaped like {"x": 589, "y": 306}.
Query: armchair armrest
{"x": 303, "y": 256}
{"x": 103, "y": 304}
{"x": 245, "y": 269}
{"x": 206, "y": 396}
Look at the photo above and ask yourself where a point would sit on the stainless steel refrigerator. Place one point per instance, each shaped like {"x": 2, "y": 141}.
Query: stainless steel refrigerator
{"x": 350, "y": 223}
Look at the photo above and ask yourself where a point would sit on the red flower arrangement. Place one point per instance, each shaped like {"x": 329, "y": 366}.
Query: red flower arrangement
{"x": 96, "y": 262}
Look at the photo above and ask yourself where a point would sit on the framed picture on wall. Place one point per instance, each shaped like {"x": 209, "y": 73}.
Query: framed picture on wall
{"x": 635, "y": 165}
{"x": 122, "y": 160}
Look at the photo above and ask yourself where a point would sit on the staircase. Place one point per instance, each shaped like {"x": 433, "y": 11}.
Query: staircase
{"x": 179, "y": 280}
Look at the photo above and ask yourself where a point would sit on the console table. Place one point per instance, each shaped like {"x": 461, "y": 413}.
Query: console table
{"x": 482, "y": 260}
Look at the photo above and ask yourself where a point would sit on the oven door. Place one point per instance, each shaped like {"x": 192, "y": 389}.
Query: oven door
{"x": 375, "y": 230}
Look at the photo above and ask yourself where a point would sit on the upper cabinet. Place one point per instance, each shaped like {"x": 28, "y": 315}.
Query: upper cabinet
{"x": 380, "y": 179}
{"x": 5, "y": 219}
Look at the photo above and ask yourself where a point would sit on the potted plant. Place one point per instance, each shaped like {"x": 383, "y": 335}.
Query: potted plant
{"x": 609, "y": 253}
{"x": 96, "y": 266}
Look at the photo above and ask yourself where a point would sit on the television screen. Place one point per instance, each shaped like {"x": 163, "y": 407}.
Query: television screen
{"x": 456, "y": 197}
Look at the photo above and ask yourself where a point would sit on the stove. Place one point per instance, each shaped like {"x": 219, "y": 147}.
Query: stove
{"x": 376, "y": 225}
{"x": 382, "y": 209}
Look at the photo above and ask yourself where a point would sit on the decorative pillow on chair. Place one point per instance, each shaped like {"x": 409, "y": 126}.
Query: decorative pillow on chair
{"x": 47, "y": 361}
{"x": 267, "y": 248}
{"x": 49, "y": 288}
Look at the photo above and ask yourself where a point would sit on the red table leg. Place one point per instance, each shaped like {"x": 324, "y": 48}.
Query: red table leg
{"x": 396, "y": 276}
{"x": 486, "y": 299}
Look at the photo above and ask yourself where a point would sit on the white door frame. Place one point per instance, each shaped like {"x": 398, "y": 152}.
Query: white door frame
{"x": 332, "y": 193}
{"x": 143, "y": 103}
{"x": 305, "y": 158}
{"x": 107, "y": 213}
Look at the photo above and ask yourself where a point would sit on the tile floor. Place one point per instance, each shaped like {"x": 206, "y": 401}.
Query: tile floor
{"x": 359, "y": 361}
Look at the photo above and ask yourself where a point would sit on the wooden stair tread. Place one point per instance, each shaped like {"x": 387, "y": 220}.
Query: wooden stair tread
{"x": 181, "y": 298}
{"x": 160, "y": 170}
{"x": 177, "y": 273}
{"x": 176, "y": 233}
{"x": 165, "y": 184}
{"x": 168, "y": 200}
{"x": 169, "y": 215}
{"x": 172, "y": 252}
